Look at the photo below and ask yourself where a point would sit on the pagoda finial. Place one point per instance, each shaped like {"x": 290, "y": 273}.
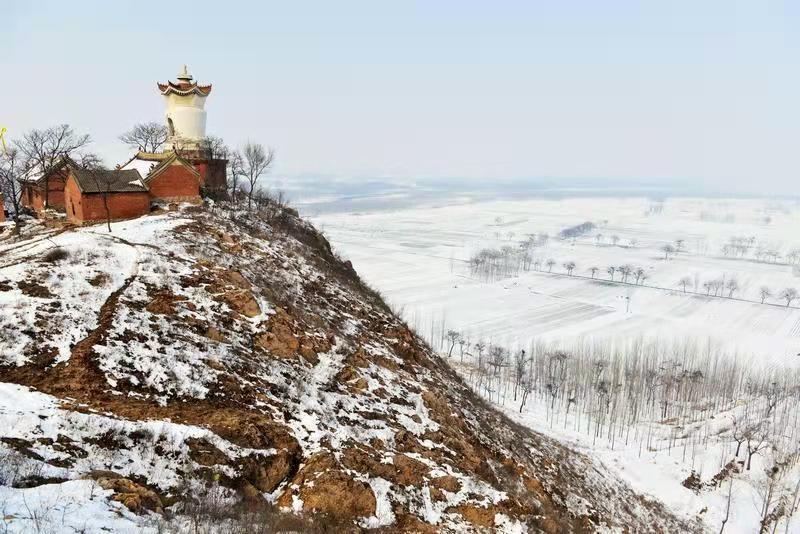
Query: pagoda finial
{"x": 184, "y": 74}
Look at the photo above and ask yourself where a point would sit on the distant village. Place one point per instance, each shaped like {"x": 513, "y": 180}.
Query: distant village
{"x": 49, "y": 175}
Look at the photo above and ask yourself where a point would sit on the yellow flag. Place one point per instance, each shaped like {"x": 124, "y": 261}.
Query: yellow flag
{"x": 3, "y": 139}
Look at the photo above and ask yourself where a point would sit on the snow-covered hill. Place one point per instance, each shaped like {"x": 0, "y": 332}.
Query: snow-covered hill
{"x": 201, "y": 361}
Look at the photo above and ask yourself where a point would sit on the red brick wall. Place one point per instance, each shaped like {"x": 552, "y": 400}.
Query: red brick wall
{"x": 175, "y": 183}
{"x": 2, "y": 209}
{"x": 90, "y": 207}
{"x": 33, "y": 197}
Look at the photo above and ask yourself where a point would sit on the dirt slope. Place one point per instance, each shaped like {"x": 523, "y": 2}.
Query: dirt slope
{"x": 298, "y": 384}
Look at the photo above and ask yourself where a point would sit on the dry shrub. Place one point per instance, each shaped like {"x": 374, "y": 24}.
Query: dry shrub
{"x": 55, "y": 255}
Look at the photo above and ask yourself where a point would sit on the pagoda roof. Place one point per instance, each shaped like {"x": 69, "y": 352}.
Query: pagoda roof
{"x": 184, "y": 88}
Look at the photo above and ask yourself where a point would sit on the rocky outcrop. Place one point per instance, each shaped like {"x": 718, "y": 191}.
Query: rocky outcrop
{"x": 136, "y": 497}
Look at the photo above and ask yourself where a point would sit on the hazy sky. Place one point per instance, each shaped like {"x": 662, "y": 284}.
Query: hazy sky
{"x": 692, "y": 90}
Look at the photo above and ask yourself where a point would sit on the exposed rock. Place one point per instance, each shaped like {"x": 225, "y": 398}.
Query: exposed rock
{"x": 324, "y": 487}
{"x": 409, "y": 472}
{"x": 205, "y": 453}
{"x": 337, "y": 494}
{"x": 242, "y": 301}
{"x": 234, "y": 278}
{"x": 267, "y": 472}
{"x": 477, "y": 515}
{"x": 135, "y": 497}
{"x": 447, "y": 483}
{"x": 215, "y": 334}
{"x": 163, "y": 303}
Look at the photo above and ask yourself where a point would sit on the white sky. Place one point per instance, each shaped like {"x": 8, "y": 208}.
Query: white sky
{"x": 704, "y": 91}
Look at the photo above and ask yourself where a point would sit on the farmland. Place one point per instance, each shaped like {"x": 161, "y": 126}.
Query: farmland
{"x": 420, "y": 259}
{"x": 660, "y": 336}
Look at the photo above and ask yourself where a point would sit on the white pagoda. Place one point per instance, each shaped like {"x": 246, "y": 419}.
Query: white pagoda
{"x": 185, "y": 115}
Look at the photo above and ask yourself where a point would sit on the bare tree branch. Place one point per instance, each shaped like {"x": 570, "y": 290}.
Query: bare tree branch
{"x": 146, "y": 136}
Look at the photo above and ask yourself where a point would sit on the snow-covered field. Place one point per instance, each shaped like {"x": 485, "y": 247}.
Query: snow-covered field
{"x": 418, "y": 258}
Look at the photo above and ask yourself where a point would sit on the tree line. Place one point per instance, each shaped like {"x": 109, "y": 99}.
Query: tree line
{"x": 656, "y": 397}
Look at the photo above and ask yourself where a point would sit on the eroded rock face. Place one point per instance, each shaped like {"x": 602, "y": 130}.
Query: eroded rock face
{"x": 163, "y": 303}
{"x": 242, "y": 301}
{"x": 325, "y": 488}
{"x": 136, "y": 497}
{"x": 266, "y": 473}
{"x": 283, "y": 337}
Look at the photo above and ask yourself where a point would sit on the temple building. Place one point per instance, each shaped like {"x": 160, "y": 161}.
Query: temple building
{"x": 186, "y": 125}
{"x": 185, "y": 171}
{"x": 45, "y": 188}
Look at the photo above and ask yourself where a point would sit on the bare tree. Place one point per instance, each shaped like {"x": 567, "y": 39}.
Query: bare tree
{"x": 452, "y": 337}
{"x": 520, "y": 364}
{"x": 789, "y": 295}
{"x": 727, "y": 506}
{"x": 625, "y": 271}
{"x": 756, "y": 440}
{"x": 772, "y": 501}
{"x": 611, "y": 270}
{"x": 527, "y": 387}
{"x": 765, "y": 293}
{"x": 684, "y": 282}
{"x": 216, "y": 147}
{"x": 556, "y": 374}
{"x": 43, "y": 149}
{"x": 794, "y": 504}
{"x": 498, "y": 359}
{"x": 708, "y": 285}
{"x": 732, "y": 286}
{"x": 569, "y": 267}
{"x": 594, "y": 270}
{"x": 463, "y": 345}
{"x": 235, "y": 172}
{"x": 550, "y": 263}
{"x": 256, "y": 161}
{"x": 667, "y": 249}
{"x": 146, "y": 136}
{"x": 10, "y": 173}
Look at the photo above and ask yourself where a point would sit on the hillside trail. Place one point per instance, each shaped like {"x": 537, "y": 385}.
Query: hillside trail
{"x": 80, "y": 355}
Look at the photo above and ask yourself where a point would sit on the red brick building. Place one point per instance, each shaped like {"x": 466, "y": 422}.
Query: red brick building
{"x": 2, "y": 208}
{"x": 42, "y": 189}
{"x": 168, "y": 176}
{"x": 87, "y": 193}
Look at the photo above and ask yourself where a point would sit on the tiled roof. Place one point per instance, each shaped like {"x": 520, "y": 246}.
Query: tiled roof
{"x": 109, "y": 181}
{"x": 184, "y": 88}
